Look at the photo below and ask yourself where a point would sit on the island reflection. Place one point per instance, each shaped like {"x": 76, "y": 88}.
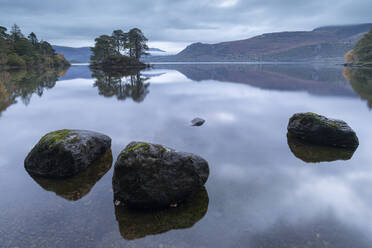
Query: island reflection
{"x": 77, "y": 187}
{"x": 361, "y": 82}
{"x": 138, "y": 224}
{"x": 24, "y": 84}
{"x": 122, "y": 84}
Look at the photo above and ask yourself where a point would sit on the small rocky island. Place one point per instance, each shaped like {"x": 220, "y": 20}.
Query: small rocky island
{"x": 120, "y": 51}
{"x": 65, "y": 153}
{"x": 151, "y": 176}
{"x": 319, "y": 130}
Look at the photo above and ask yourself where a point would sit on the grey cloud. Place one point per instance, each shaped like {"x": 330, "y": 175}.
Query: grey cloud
{"x": 177, "y": 21}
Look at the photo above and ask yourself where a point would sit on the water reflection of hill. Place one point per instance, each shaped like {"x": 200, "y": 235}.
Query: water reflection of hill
{"x": 77, "y": 71}
{"x": 24, "y": 84}
{"x": 287, "y": 77}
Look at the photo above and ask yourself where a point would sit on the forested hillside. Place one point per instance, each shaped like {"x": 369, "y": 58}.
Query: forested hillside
{"x": 363, "y": 49}
{"x": 20, "y": 52}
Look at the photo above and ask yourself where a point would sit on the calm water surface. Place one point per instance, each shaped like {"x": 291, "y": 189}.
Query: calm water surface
{"x": 259, "y": 193}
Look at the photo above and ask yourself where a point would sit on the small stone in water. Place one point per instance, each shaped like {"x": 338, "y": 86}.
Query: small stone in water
{"x": 197, "y": 122}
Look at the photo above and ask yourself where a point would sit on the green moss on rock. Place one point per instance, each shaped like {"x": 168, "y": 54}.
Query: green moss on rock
{"x": 135, "y": 146}
{"x": 52, "y": 138}
{"x": 313, "y": 114}
{"x": 316, "y": 118}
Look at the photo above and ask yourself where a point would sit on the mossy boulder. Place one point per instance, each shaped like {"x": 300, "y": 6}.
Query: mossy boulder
{"x": 65, "y": 153}
{"x": 315, "y": 153}
{"x": 153, "y": 176}
{"x": 319, "y": 130}
{"x": 134, "y": 224}
{"x": 78, "y": 186}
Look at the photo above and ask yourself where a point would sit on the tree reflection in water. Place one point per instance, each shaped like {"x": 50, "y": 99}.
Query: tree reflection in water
{"x": 24, "y": 84}
{"x": 122, "y": 84}
{"x": 361, "y": 82}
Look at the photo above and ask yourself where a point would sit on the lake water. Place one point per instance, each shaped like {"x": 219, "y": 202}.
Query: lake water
{"x": 259, "y": 194}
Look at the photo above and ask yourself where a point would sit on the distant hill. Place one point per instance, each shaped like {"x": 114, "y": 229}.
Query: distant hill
{"x": 330, "y": 42}
{"x": 82, "y": 54}
{"x": 72, "y": 54}
{"x": 152, "y": 49}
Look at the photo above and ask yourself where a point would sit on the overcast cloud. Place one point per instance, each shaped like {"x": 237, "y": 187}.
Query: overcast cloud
{"x": 173, "y": 24}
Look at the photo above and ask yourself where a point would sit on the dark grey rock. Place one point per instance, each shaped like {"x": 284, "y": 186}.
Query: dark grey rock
{"x": 319, "y": 130}
{"x": 65, "y": 153}
{"x": 197, "y": 122}
{"x": 153, "y": 176}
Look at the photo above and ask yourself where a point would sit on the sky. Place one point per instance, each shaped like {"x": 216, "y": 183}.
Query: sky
{"x": 173, "y": 24}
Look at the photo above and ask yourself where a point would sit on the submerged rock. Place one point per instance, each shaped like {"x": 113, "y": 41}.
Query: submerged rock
{"x": 315, "y": 153}
{"x": 138, "y": 224}
{"x": 319, "y": 130}
{"x": 153, "y": 176}
{"x": 65, "y": 153}
{"x": 197, "y": 122}
{"x": 76, "y": 187}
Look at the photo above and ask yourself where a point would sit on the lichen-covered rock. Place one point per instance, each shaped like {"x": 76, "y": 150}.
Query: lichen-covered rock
{"x": 76, "y": 187}
{"x": 153, "y": 176}
{"x": 65, "y": 153}
{"x": 319, "y": 130}
{"x": 315, "y": 153}
{"x": 134, "y": 224}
